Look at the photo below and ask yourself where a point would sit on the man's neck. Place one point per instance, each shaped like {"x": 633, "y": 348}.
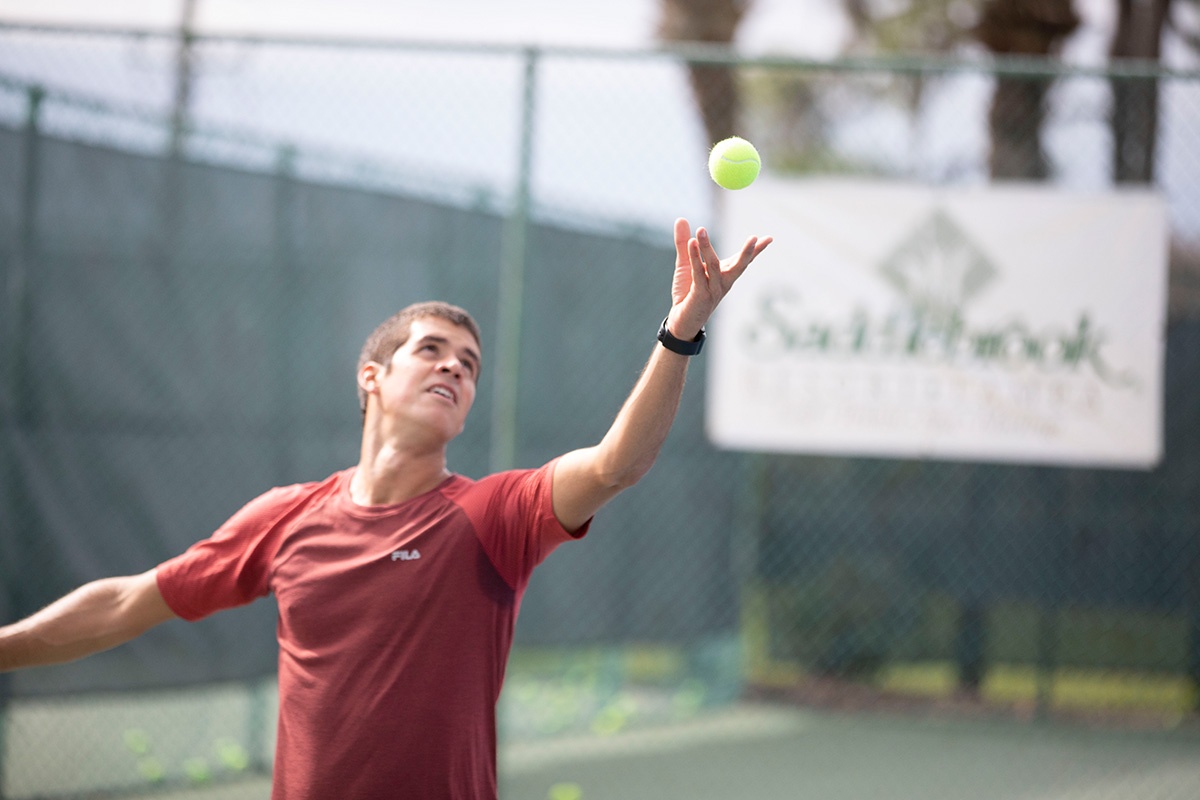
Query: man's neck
{"x": 386, "y": 475}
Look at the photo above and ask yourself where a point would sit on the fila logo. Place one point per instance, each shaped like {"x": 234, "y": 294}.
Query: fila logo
{"x": 406, "y": 555}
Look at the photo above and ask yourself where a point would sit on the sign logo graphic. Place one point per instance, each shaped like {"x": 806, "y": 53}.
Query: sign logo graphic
{"x": 939, "y": 268}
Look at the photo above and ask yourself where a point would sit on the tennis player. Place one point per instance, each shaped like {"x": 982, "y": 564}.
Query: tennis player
{"x": 398, "y": 582}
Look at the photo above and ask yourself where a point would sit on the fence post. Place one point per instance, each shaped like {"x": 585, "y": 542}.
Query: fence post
{"x": 5, "y": 695}
{"x": 257, "y": 726}
{"x": 970, "y": 637}
{"x": 285, "y": 326}
{"x": 19, "y": 404}
{"x": 512, "y": 285}
{"x": 1192, "y": 599}
{"x": 19, "y": 272}
{"x": 753, "y": 499}
{"x": 1055, "y": 594}
{"x": 1047, "y": 659}
{"x": 970, "y": 643}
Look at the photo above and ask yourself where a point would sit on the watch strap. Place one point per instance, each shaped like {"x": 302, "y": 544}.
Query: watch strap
{"x": 683, "y": 348}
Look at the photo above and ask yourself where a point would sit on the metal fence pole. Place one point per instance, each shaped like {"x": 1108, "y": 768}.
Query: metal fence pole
{"x": 257, "y": 726}
{"x": 285, "y": 321}
{"x": 19, "y": 272}
{"x": 970, "y": 637}
{"x": 19, "y": 403}
{"x": 1192, "y": 599}
{"x": 512, "y": 285}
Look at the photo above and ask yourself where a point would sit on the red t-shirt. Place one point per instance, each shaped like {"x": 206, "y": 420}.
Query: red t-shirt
{"x": 395, "y": 624}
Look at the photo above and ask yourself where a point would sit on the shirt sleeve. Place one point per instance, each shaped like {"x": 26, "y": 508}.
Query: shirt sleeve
{"x": 513, "y": 516}
{"x": 233, "y": 566}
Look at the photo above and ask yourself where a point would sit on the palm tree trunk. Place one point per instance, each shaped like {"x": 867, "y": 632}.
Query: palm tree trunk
{"x": 1025, "y": 28}
{"x": 1134, "y": 120}
{"x": 715, "y": 87}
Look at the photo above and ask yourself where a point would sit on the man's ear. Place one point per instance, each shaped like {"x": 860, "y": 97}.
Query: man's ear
{"x": 368, "y": 376}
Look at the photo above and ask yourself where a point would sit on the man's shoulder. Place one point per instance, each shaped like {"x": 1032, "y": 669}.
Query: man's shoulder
{"x": 327, "y": 485}
{"x": 506, "y": 488}
{"x": 291, "y": 495}
{"x": 495, "y": 481}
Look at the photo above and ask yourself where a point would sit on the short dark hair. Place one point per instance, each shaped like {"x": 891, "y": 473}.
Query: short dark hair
{"x": 394, "y": 331}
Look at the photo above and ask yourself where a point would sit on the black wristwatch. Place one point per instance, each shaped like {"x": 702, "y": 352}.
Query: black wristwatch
{"x": 679, "y": 345}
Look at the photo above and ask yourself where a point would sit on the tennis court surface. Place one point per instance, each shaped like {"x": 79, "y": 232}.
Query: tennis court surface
{"x": 772, "y": 750}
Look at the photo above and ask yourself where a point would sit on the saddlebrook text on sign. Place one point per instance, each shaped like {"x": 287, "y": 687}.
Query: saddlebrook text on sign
{"x": 784, "y": 326}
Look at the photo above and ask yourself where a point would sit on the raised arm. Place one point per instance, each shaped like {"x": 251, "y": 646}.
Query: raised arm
{"x": 586, "y": 479}
{"x": 96, "y": 616}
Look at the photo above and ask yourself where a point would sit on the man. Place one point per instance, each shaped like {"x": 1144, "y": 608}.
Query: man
{"x": 398, "y": 582}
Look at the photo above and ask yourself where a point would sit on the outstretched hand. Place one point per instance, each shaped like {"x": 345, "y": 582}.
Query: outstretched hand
{"x": 702, "y": 279}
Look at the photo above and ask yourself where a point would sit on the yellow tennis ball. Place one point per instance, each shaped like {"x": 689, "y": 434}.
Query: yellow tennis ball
{"x": 565, "y": 791}
{"x": 734, "y": 163}
{"x": 197, "y": 770}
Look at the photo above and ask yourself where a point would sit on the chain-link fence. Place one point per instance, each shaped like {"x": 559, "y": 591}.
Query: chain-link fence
{"x": 196, "y": 238}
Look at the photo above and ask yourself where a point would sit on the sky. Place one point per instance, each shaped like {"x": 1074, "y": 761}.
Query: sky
{"x": 808, "y": 25}
{"x": 772, "y": 25}
{"x": 812, "y": 28}
{"x": 805, "y": 28}
{"x": 802, "y": 28}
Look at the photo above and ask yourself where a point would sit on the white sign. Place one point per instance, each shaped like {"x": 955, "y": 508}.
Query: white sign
{"x": 1012, "y": 323}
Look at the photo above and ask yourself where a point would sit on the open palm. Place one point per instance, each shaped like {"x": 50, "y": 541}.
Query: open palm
{"x": 702, "y": 279}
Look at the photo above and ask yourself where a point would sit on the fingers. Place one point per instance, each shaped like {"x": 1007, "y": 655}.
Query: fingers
{"x": 750, "y": 251}
{"x": 699, "y": 267}
{"x": 683, "y": 233}
{"x": 707, "y": 250}
{"x": 752, "y": 248}
{"x": 731, "y": 269}
{"x": 700, "y": 275}
{"x": 761, "y": 245}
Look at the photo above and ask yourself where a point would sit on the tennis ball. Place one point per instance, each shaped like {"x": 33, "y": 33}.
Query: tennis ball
{"x": 609, "y": 720}
{"x": 689, "y": 699}
{"x": 137, "y": 741}
{"x": 151, "y": 769}
{"x": 232, "y": 755}
{"x": 734, "y": 163}
{"x": 565, "y": 791}
{"x": 197, "y": 770}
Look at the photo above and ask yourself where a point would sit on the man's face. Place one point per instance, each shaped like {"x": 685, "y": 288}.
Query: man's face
{"x": 431, "y": 378}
